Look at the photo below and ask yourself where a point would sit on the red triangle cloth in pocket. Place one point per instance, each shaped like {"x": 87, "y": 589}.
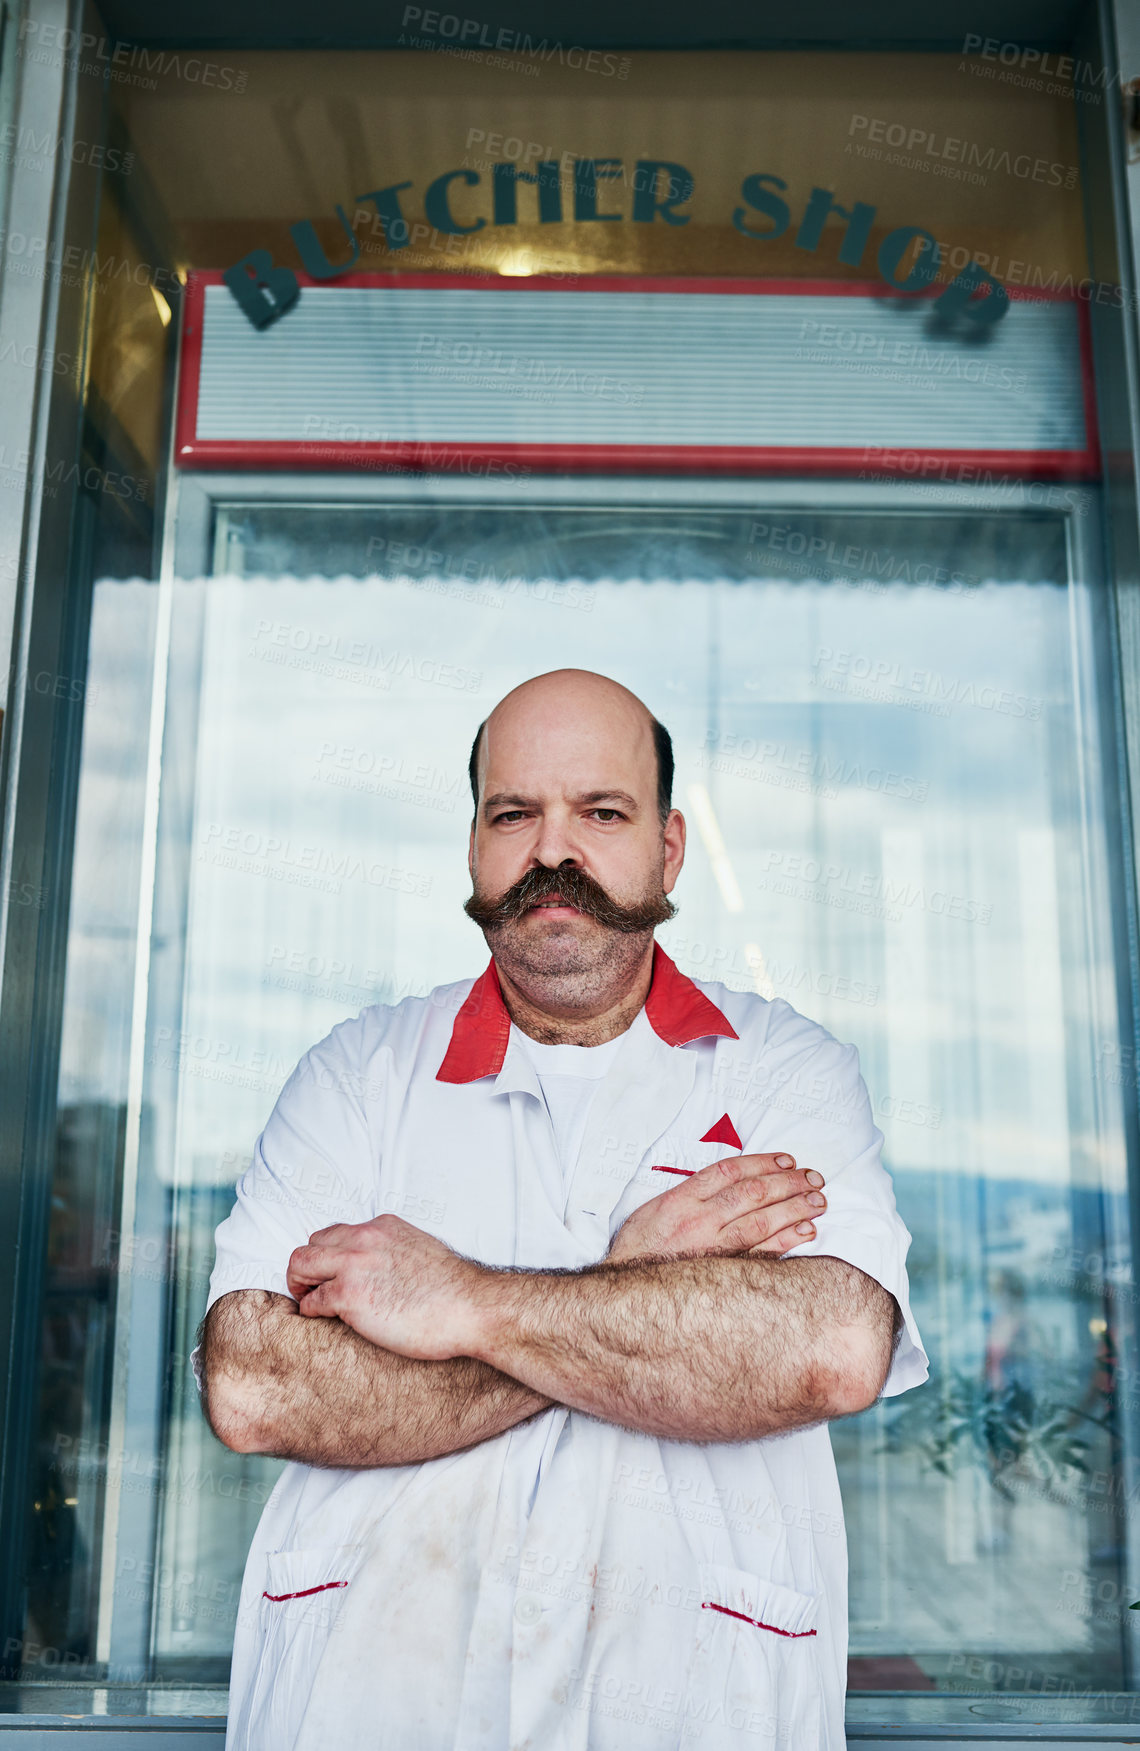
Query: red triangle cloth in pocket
{"x": 724, "y": 1131}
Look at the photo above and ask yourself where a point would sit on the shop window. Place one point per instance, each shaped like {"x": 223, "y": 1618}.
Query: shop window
{"x": 892, "y": 706}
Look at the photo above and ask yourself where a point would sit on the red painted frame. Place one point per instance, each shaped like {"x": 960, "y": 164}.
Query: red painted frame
{"x": 949, "y": 467}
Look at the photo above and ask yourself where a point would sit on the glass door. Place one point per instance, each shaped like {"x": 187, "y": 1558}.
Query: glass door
{"x": 895, "y": 757}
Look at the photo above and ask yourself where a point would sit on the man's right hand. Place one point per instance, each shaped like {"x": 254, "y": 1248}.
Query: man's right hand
{"x": 745, "y": 1203}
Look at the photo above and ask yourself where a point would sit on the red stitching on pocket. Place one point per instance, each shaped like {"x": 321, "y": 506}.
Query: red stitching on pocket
{"x": 657, "y": 1168}
{"x": 277, "y": 1598}
{"x": 792, "y": 1634}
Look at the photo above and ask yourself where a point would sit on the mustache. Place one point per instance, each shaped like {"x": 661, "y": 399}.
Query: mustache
{"x": 578, "y": 889}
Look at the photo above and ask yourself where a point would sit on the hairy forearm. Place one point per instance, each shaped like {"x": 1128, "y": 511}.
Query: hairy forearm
{"x": 315, "y": 1390}
{"x": 697, "y": 1349}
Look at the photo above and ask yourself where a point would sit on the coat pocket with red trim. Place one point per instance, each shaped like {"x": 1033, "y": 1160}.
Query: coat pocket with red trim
{"x": 301, "y": 1601}
{"x": 755, "y": 1670}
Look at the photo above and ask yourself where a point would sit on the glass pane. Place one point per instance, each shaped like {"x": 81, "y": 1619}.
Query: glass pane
{"x": 75, "y": 1465}
{"x": 896, "y": 812}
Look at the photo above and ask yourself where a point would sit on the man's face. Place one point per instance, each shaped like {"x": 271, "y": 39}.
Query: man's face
{"x": 570, "y": 786}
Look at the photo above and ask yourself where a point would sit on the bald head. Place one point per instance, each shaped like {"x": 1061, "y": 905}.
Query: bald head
{"x": 582, "y": 704}
{"x": 574, "y": 849}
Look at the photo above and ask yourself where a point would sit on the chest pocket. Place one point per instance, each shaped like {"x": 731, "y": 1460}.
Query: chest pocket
{"x": 755, "y": 1672}
{"x": 680, "y": 1151}
{"x": 668, "y": 1163}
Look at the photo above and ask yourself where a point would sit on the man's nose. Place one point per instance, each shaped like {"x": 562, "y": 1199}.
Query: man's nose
{"x": 554, "y": 845}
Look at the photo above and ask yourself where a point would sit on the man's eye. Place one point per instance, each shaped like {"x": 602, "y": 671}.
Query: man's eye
{"x": 510, "y": 815}
{"x": 608, "y": 814}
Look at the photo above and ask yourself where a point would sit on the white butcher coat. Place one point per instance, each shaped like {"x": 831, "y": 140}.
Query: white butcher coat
{"x": 569, "y": 1585}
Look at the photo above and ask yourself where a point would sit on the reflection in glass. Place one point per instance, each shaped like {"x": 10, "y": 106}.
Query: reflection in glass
{"x": 893, "y": 781}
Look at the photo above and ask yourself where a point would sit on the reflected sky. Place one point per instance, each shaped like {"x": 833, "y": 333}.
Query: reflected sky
{"x": 896, "y": 816}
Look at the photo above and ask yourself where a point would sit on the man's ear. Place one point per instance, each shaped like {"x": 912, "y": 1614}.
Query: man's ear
{"x": 674, "y": 849}
{"x": 471, "y": 853}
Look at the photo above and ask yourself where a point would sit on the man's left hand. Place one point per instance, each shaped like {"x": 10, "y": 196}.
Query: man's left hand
{"x": 409, "y": 1293}
{"x": 394, "y": 1284}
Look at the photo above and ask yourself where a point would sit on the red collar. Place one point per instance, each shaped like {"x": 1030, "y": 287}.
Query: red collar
{"x": 678, "y": 1012}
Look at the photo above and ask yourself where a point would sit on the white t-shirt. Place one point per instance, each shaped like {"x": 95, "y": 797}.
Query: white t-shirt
{"x": 569, "y": 1077}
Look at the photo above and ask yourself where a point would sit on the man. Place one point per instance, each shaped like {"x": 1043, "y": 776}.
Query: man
{"x": 562, "y": 1478}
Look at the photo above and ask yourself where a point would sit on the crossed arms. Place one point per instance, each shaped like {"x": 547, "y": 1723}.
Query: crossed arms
{"x": 395, "y": 1350}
